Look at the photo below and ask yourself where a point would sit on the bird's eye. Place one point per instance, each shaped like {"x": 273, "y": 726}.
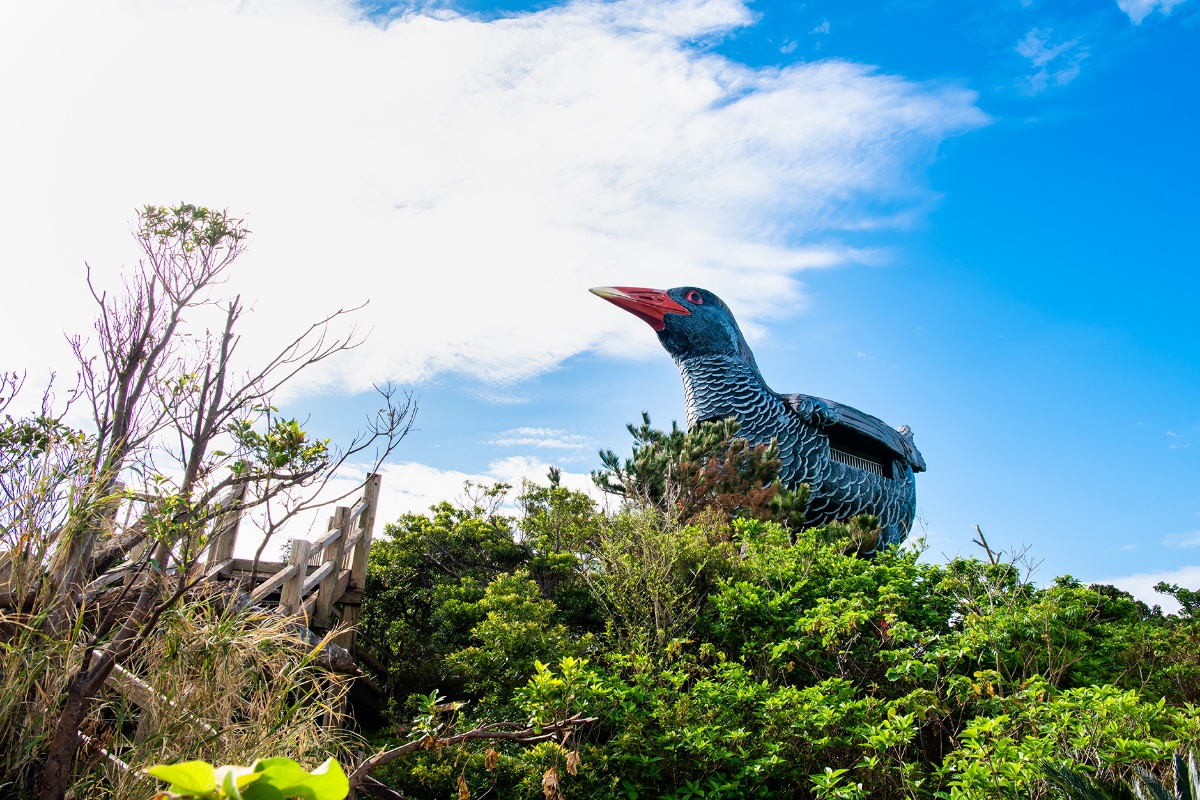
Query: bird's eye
{"x": 694, "y": 298}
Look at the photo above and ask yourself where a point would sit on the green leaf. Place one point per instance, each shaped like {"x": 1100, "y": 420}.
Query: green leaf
{"x": 195, "y": 778}
{"x": 282, "y": 777}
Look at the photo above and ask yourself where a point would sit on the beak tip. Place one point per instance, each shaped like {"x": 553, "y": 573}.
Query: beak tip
{"x": 610, "y": 293}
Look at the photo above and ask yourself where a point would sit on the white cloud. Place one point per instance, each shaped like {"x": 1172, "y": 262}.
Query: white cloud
{"x": 1138, "y": 10}
{"x": 1142, "y": 585}
{"x": 470, "y": 178}
{"x": 1189, "y": 539}
{"x": 541, "y": 437}
{"x": 1054, "y": 64}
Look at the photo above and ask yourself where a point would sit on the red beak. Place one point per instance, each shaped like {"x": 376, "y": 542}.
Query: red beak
{"x": 650, "y": 305}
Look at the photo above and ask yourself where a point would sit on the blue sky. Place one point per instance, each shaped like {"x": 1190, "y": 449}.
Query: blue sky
{"x": 974, "y": 219}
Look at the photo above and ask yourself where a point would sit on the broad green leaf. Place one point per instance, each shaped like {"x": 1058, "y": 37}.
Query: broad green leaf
{"x": 282, "y": 777}
{"x": 195, "y": 778}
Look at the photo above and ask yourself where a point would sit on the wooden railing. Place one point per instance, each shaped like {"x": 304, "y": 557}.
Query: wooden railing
{"x": 319, "y": 574}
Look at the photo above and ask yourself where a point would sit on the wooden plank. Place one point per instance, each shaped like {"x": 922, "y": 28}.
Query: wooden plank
{"x": 369, "y": 657}
{"x": 274, "y": 583}
{"x": 320, "y": 574}
{"x": 264, "y": 567}
{"x": 363, "y": 503}
{"x": 310, "y": 604}
{"x": 339, "y": 588}
{"x": 323, "y": 541}
{"x": 108, "y": 578}
{"x": 355, "y": 538}
{"x": 217, "y": 570}
{"x": 112, "y": 759}
{"x": 131, "y": 687}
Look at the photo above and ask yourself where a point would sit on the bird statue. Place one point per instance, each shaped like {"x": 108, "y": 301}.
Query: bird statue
{"x": 852, "y": 462}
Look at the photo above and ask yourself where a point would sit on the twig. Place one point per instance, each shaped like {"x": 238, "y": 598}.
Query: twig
{"x": 993, "y": 555}
{"x": 524, "y": 736}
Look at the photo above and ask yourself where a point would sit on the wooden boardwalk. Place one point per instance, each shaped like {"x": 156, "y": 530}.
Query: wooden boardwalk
{"x": 321, "y": 584}
{"x": 320, "y": 576}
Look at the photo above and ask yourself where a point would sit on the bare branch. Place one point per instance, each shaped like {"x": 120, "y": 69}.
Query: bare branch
{"x": 526, "y": 735}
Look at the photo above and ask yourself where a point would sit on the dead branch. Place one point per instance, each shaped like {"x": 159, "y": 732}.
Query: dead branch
{"x": 495, "y": 730}
{"x": 993, "y": 555}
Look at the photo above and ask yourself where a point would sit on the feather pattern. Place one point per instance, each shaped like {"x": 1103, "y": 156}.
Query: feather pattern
{"x": 852, "y": 462}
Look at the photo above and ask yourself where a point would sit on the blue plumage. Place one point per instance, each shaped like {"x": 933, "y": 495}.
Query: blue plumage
{"x": 852, "y": 462}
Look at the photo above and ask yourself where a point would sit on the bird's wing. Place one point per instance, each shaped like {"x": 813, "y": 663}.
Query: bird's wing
{"x": 835, "y": 416}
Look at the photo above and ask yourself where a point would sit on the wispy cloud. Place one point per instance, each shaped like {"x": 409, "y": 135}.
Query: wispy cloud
{"x": 1054, "y": 63}
{"x": 1189, "y": 539}
{"x": 502, "y": 399}
{"x": 1138, "y": 10}
{"x": 1183, "y": 439}
{"x": 541, "y": 437}
{"x": 470, "y": 177}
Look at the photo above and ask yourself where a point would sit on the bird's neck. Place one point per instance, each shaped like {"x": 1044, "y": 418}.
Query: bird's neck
{"x": 718, "y": 387}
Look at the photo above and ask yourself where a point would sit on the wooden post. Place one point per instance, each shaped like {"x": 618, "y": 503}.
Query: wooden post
{"x": 366, "y": 523}
{"x": 289, "y": 597}
{"x": 333, "y": 553}
{"x": 225, "y": 531}
{"x": 358, "y": 566}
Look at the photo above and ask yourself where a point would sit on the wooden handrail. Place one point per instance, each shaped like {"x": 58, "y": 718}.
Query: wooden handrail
{"x": 325, "y": 539}
{"x": 358, "y": 508}
{"x": 315, "y": 578}
{"x": 214, "y": 570}
{"x": 277, "y": 580}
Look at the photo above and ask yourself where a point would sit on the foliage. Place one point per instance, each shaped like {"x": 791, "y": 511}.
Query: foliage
{"x": 516, "y": 629}
{"x": 1073, "y": 784}
{"x": 739, "y": 658}
{"x": 424, "y": 578}
{"x": 265, "y": 779}
{"x": 704, "y": 469}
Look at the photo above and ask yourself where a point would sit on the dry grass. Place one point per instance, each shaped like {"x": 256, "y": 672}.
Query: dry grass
{"x": 34, "y": 670}
{"x": 229, "y": 684}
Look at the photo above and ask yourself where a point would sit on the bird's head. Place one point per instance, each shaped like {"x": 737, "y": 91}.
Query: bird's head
{"x": 690, "y": 321}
